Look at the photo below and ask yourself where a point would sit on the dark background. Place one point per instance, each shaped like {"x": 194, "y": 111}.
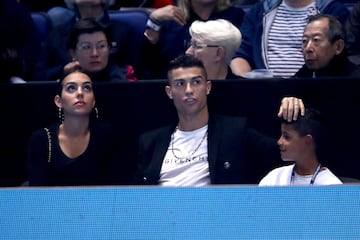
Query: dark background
{"x": 137, "y": 107}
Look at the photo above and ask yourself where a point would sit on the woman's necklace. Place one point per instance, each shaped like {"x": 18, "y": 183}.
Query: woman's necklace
{"x": 193, "y": 152}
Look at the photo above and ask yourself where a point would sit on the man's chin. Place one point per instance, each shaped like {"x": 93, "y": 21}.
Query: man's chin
{"x": 311, "y": 65}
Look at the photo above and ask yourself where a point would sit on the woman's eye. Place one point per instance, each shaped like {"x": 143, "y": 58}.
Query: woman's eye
{"x": 85, "y": 47}
{"x": 88, "y": 88}
{"x": 70, "y": 88}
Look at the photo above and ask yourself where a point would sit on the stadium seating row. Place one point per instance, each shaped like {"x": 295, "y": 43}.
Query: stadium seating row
{"x": 136, "y": 17}
{"x": 46, "y": 21}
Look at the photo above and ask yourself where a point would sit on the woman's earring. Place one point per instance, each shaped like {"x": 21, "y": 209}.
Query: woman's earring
{"x": 60, "y": 115}
{"x": 96, "y": 112}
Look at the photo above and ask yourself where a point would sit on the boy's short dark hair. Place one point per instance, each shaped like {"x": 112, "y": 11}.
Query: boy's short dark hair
{"x": 314, "y": 123}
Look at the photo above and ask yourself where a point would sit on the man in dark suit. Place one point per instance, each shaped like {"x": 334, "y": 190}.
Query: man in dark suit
{"x": 202, "y": 149}
{"x": 323, "y": 48}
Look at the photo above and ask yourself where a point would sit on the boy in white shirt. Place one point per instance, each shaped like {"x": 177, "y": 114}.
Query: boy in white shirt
{"x": 300, "y": 141}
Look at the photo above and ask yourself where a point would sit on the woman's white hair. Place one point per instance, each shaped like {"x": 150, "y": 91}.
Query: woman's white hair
{"x": 217, "y": 32}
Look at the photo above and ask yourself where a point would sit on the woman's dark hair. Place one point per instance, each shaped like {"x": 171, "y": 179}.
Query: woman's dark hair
{"x": 87, "y": 25}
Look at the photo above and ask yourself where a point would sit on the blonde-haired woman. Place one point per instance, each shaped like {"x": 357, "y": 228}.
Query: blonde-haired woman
{"x": 214, "y": 42}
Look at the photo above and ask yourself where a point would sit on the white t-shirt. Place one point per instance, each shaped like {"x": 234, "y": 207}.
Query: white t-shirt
{"x": 282, "y": 177}
{"x": 186, "y": 161}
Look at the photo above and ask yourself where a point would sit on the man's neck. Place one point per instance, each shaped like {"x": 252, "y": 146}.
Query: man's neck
{"x": 193, "y": 122}
{"x": 298, "y": 3}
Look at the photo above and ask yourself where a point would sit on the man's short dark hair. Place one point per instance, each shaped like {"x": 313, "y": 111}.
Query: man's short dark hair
{"x": 335, "y": 31}
{"x": 186, "y": 61}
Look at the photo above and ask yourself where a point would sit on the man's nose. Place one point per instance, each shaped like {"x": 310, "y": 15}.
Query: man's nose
{"x": 308, "y": 46}
{"x": 188, "y": 87}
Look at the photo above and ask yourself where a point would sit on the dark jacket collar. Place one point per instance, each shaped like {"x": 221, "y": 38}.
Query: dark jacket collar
{"x": 338, "y": 66}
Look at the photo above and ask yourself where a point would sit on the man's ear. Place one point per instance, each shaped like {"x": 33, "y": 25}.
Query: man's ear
{"x": 339, "y": 46}
{"x": 168, "y": 91}
{"x": 208, "y": 87}
{"x": 309, "y": 139}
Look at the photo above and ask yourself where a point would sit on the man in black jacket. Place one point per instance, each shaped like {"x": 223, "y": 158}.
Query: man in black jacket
{"x": 202, "y": 149}
{"x": 324, "y": 51}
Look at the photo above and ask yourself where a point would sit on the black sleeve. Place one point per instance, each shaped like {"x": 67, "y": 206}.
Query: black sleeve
{"x": 263, "y": 152}
{"x": 37, "y": 158}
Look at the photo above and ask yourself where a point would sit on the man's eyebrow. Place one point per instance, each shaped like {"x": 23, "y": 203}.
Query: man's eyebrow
{"x": 313, "y": 34}
{"x": 192, "y": 78}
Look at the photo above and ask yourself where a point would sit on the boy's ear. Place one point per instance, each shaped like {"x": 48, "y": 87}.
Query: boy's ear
{"x": 309, "y": 139}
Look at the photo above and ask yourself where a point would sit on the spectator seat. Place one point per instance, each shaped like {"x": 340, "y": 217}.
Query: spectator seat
{"x": 43, "y": 25}
{"x": 59, "y": 15}
{"x": 136, "y": 18}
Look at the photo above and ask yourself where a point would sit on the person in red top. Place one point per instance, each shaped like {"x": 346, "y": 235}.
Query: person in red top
{"x": 161, "y": 3}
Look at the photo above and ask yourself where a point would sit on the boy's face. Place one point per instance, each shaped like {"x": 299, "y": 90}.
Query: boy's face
{"x": 292, "y": 145}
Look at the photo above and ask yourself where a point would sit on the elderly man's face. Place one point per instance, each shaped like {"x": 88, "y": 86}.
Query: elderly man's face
{"x": 316, "y": 46}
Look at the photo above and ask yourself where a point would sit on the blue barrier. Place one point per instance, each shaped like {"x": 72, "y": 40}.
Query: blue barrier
{"x": 237, "y": 212}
